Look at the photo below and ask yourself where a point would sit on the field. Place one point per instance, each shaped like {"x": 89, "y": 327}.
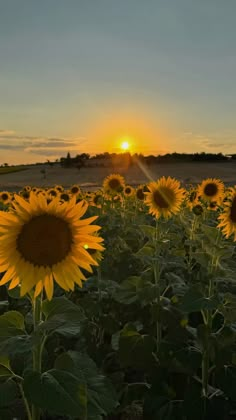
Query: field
{"x": 92, "y": 178}
{"x": 119, "y": 303}
{"x": 11, "y": 169}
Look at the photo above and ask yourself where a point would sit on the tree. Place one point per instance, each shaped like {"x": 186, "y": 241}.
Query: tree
{"x": 67, "y": 161}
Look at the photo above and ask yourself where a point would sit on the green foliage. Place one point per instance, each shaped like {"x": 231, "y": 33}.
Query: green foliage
{"x": 62, "y": 317}
{"x": 151, "y": 335}
{"x": 56, "y": 391}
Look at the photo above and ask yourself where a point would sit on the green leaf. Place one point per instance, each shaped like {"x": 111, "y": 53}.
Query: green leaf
{"x": 3, "y": 306}
{"x": 59, "y": 305}
{"x": 100, "y": 393}
{"x": 226, "y": 337}
{"x": 5, "y": 369}
{"x": 20, "y": 344}
{"x": 135, "y": 349}
{"x": 8, "y": 393}
{"x": 14, "y": 293}
{"x": 148, "y": 231}
{"x": 62, "y": 317}
{"x": 193, "y": 404}
{"x": 11, "y": 327}
{"x": 145, "y": 251}
{"x": 127, "y": 293}
{"x": 194, "y": 301}
{"x": 56, "y": 391}
{"x": 135, "y": 289}
{"x": 229, "y": 307}
{"x": 12, "y": 319}
{"x": 211, "y": 233}
{"x": 226, "y": 380}
{"x": 11, "y": 406}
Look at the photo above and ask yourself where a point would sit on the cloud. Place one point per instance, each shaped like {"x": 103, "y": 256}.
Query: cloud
{"x": 6, "y": 133}
{"x": 210, "y": 144}
{"x": 214, "y": 142}
{"x": 44, "y": 146}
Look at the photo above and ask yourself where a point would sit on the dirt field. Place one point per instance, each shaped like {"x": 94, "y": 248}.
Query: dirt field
{"x": 92, "y": 178}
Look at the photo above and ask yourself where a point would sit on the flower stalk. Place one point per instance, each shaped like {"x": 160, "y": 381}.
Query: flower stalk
{"x": 208, "y": 319}
{"x": 37, "y": 351}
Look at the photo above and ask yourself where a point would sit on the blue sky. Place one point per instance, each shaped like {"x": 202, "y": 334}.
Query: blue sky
{"x": 79, "y": 75}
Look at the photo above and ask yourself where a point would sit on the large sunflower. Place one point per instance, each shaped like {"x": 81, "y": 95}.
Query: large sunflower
{"x": 114, "y": 183}
{"x": 228, "y": 217}
{"x": 211, "y": 189}
{"x": 164, "y": 197}
{"x": 41, "y": 242}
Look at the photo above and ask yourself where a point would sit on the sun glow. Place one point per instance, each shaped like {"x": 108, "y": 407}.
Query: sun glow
{"x": 125, "y": 145}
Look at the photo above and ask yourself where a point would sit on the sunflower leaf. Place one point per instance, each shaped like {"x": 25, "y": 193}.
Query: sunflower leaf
{"x": 100, "y": 393}
{"x": 62, "y": 316}
{"x": 11, "y": 324}
{"x": 135, "y": 349}
{"x": 57, "y": 391}
{"x": 5, "y": 369}
{"x": 194, "y": 301}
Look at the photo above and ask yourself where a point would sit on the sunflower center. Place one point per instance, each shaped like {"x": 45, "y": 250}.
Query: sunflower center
{"x": 26, "y": 194}
{"x": 128, "y": 190}
{"x": 140, "y": 195}
{"x": 114, "y": 184}
{"x": 74, "y": 190}
{"x": 163, "y": 198}
{"x": 210, "y": 189}
{"x": 65, "y": 197}
{"x": 233, "y": 211}
{"x": 45, "y": 240}
{"x": 4, "y": 197}
{"x": 53, "y": 193}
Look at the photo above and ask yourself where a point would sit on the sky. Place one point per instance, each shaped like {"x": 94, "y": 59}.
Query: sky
{"x": 83, "y": 75}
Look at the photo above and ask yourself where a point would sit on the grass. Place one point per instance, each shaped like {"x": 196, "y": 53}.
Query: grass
{"x": 10, "y": 169}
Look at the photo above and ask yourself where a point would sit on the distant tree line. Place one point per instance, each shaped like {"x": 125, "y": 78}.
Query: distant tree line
{"x": 113, "y": 159}
{"x": 78, "y": 161}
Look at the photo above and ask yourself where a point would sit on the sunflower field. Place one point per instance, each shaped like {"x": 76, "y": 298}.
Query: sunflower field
{"x": 118, "y": 304}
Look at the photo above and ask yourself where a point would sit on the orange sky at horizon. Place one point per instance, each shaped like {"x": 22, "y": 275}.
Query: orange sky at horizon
{"x": 142, "y": 135}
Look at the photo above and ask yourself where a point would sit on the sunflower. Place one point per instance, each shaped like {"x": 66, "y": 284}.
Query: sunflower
{"x": 65, "y": 196}
{"x": 114, "y": 183}
{"x": 5, "y": 197}
{"x": 128, "y": 191}
{"x": 75, "y": 189}
{"x": 213, "y": 206}
{"x": 228, "y": 217}
{"x": 96, "y": 199}
{"x": 41, "y": 243}
{"x": 27, "y": 188}
{"x": 59, "y": 188}
{"x": 198, "y": 210}
{"x": 140, "y": 193}
{"x": 164, "y": 197}
{"x": 192, "y": 198}
{"x": 211, "y": 189}
{"x": 25, "y": 194}
{"x": 52, "y": 192}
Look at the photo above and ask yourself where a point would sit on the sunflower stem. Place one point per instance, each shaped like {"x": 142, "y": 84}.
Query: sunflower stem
{"x": 156, "y": 270}
{"x": 208, "y": 318}
{"x": 27, "y": 407}
{"x": 37, "y": 351}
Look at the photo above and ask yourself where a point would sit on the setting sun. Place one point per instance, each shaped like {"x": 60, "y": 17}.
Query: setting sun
{"x": 125, "y": 145}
